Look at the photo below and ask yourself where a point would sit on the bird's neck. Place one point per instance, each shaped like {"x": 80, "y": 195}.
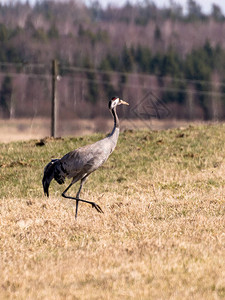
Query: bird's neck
{"x": 116, "y": 119}
{"x": 116, "y": 122}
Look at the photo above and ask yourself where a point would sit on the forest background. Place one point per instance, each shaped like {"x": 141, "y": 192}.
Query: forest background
{"x": 130, "y": 51}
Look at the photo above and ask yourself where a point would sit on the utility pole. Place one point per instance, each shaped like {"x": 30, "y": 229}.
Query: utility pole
{"x": 54, "y": 114}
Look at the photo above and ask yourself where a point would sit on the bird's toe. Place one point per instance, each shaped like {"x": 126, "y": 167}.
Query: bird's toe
{"x": 97, "y": 207}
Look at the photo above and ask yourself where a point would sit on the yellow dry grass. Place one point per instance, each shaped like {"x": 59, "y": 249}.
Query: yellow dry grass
{"x": 162, "y": 234}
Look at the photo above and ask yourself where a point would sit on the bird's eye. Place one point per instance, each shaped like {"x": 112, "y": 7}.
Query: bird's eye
{"x": 113, "y": 103}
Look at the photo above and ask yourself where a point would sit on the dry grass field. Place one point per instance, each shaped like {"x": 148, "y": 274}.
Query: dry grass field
{"x": 162, "y": 234}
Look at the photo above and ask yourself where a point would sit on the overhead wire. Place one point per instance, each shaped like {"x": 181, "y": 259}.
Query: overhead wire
{"x": 63, "y": 68}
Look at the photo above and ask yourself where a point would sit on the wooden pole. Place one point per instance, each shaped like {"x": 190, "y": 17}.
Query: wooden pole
{"x": 54, "y": 98}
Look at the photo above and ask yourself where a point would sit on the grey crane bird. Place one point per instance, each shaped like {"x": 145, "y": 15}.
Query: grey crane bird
{"x": 80, "y": 163}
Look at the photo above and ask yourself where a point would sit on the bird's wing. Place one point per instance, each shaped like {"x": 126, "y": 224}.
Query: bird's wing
{"x": 79, "y": 161}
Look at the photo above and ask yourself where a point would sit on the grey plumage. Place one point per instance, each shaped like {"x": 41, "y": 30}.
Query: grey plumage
{"x": 80, "y": 163}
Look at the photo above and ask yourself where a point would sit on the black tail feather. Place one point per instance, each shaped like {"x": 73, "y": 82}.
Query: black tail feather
{"x": 45, "y": 187}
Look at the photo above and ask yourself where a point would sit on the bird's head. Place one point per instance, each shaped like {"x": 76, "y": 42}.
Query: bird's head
{"x": 116, "y": 101}
{"x": 48, "y": 175}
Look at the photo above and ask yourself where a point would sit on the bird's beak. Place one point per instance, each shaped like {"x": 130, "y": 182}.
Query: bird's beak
{"x": 123, "y": 102}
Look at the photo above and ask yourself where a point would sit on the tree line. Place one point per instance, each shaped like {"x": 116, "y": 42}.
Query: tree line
{"x": 140, "y": 38}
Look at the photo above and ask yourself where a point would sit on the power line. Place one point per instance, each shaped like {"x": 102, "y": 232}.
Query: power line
{"x": 22, "y": 64}
{"x": 32, "y": 75}
{"x": 140, "y": 75}
{"x": 128, "y": 85}
{"x": 165, "y": 89}
{"x": 64, "y": 68}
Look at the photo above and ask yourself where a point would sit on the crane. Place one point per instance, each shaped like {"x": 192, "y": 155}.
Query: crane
{"x": 80, "y": 163}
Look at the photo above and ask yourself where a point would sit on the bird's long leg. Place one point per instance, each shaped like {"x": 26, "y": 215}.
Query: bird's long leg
{"x": 96, "y": 206}
{"x": 78, "y": 194}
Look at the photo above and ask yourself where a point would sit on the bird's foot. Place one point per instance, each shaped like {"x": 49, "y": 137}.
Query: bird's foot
{"x": 97, "y": 207}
